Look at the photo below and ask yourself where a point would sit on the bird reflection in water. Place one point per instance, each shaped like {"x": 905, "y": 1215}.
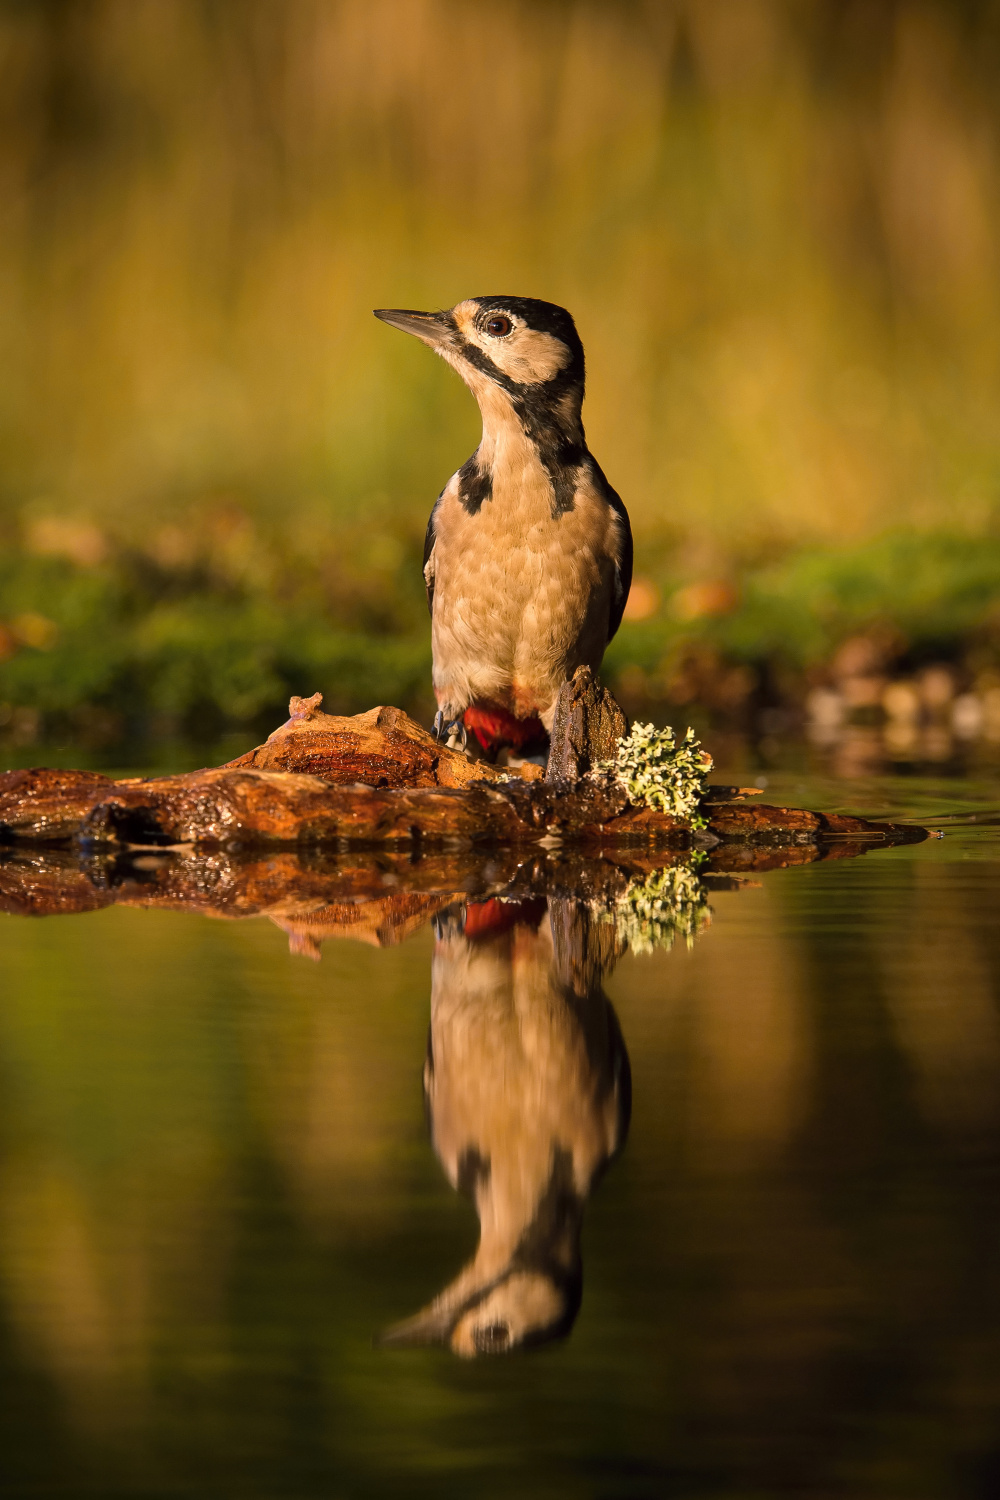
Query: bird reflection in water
{"x": 528, "y": 1092}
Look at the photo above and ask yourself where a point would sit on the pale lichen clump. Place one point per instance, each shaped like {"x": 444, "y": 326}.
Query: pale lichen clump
{"x": 667, "y": 904}
{"x": 654, "y": 769}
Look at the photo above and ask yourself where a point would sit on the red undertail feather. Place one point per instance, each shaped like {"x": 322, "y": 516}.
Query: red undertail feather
{"x": 487, "y": 919}
{"x": 493, "y": 726}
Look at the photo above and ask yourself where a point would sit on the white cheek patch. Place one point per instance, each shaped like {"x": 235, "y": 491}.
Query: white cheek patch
{"x": 529, "y": 357}
{"x": 464, "y": 314}
{"x": 526, "y": 355}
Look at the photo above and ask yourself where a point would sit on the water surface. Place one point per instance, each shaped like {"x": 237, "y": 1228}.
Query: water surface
{"x": 731, "y": 1203}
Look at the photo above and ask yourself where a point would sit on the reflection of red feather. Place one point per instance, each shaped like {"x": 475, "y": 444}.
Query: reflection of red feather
{"x": 494, "y": 726}
{"x": 487, "y": 919}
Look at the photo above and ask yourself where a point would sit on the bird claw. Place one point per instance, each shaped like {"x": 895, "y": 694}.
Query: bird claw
{"x": 453, "y": 732}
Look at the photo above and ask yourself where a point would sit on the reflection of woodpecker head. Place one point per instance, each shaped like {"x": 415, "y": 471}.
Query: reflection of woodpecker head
{"x": 517, "y": 348}
{"x": 531, "y": 1299}
{"x": 525, "y": 1309}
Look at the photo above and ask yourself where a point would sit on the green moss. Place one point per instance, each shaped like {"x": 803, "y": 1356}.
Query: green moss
{"x": 222, "y": 642}
{"x": 935, "y": 591}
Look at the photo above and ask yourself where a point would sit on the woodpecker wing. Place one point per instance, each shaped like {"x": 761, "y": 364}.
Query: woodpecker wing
{"x": 428, "y": 564}
{"x": 622, "y": 579}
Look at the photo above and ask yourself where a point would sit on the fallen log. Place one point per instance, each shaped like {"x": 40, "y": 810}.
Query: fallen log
{"x": 242, "y": 808}
{"x": 379, "y": 779}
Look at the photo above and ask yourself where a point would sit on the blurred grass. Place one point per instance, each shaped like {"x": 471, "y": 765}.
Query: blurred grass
{"x": 777, "y": 224}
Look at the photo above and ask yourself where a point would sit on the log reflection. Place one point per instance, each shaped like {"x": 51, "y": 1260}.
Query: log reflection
{"x": 528, "y": 1092}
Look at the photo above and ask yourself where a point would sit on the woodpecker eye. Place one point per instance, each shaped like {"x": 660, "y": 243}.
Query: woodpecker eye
{"x": 498, "y": 326}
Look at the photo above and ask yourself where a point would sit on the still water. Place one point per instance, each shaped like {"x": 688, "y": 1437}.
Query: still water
{"x": 303, "y": 1194}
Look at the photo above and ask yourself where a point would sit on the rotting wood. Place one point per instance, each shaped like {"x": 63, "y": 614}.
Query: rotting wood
{"x": 234, "y": 808}
{"x": 381, "y": 748}
{"x": 586, "y": 728}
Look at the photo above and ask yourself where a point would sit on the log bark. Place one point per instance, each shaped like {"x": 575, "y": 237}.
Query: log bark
{"x": 239, "y": 808}
{"x": 587, "y": 726}
{"x": 236, "y": 808}
{"x": 381, "y": 748}
{"x": 730, "y": 821}
{"x": 47, "y": 805}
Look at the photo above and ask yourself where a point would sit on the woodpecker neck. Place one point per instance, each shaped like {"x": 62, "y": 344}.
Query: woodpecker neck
{"x": 547, "y": 419}
{"x": 524, "y": 426}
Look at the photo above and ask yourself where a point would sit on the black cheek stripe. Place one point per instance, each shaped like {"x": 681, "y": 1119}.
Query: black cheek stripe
{"x": 536, "y": 408}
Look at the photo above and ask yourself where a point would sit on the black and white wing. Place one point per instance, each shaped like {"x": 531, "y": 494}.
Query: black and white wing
{"x": 429, "y": 540}
{"x": 622, "y": 577}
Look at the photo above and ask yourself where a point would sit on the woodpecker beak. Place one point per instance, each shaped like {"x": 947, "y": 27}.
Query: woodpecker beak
{"x": 430, "y": 328}
{"x": 431, "y": 1326}
{"x": 434, "y": 1324}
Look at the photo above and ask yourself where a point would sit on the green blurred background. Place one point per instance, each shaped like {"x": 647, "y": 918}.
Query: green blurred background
{"x": 777, "y": 223}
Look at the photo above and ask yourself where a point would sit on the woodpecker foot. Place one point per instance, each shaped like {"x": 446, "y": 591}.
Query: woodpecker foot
{"x": 452, "y": 731}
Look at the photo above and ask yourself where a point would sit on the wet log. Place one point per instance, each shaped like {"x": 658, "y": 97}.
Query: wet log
{"x": 381, "y": 748}
{"x": 240, "y": 808}
{"x": 243, "y": 807}
{"x": 47, "y": 805}
{"x": 235, "y": 808}
{"x": 379, "y": 779}
{"x": 728, "y": 821}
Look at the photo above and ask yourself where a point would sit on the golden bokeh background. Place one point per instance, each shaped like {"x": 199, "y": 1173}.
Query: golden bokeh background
{"x": 777, "y": 223}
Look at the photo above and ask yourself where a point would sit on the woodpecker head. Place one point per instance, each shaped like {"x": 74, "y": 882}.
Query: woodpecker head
{"x": 512, "y": 352}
